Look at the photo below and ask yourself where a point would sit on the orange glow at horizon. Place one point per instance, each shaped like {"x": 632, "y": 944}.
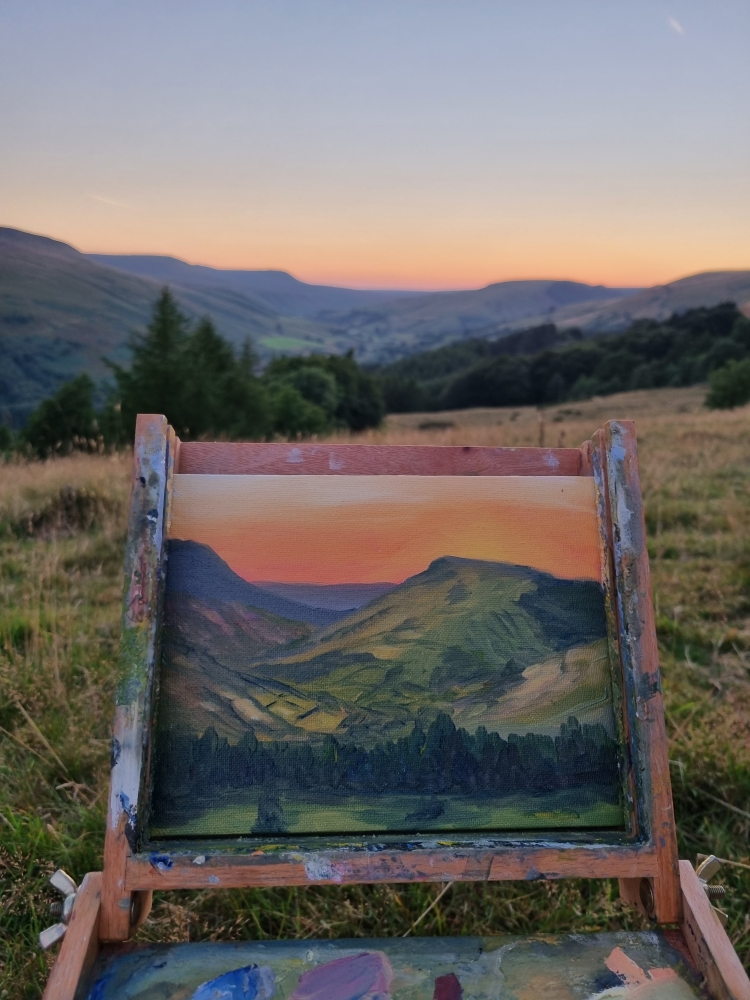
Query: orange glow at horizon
{"x": 373, "y": 529}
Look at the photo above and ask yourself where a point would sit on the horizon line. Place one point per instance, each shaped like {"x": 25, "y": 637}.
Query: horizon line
{"x": 333, "y": 282}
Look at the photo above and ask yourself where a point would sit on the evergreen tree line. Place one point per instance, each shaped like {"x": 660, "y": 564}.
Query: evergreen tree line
{"x": 442, "y": 759}
{"x": 206, "y": 389}
{"x": 696, "y": 346}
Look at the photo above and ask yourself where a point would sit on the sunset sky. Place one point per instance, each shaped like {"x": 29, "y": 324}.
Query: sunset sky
{"x": 373, "y": 529}
{"x": 384, "y": 143}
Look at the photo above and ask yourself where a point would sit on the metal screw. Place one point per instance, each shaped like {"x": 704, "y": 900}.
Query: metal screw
{"x": 715, "y": 891}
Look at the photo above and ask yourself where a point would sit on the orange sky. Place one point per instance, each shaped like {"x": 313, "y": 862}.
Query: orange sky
{"x": 368, "y": 529}
{"x": 382, "y": 143}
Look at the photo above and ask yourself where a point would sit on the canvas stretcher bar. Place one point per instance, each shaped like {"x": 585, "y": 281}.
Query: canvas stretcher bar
{"x": 647, "y": 850}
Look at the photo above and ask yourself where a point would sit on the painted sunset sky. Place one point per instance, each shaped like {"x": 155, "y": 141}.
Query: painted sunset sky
{"x": 373, "y": 529}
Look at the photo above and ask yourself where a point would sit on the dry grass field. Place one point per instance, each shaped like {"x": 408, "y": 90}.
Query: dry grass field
{"x": 61, "y": 543}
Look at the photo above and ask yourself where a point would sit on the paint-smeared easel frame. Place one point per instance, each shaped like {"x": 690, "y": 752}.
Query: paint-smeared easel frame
{"x": 646, "y": 849}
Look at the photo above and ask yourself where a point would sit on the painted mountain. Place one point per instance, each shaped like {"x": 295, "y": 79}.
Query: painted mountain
{"x": 474, "y": 695}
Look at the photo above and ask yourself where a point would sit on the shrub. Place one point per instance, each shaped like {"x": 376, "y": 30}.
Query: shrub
{"x": 729, "y": 386}
{"x": 65, "y": 422}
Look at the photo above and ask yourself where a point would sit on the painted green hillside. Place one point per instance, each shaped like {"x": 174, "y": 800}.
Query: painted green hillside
{"x": 464, "y": 636}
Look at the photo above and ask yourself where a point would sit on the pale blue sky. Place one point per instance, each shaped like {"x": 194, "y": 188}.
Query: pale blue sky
{"x": 370, "y": 142}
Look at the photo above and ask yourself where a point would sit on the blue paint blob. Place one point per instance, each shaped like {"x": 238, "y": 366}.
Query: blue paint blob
{"x": 162, "y": 862}
{"x": 246, "y": 983}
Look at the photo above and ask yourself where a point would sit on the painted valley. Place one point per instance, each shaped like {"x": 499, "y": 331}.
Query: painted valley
{"x": 470, "y": 694}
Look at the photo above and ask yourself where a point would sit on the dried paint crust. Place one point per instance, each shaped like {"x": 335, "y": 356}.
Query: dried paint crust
{"x": 643, "y": 965}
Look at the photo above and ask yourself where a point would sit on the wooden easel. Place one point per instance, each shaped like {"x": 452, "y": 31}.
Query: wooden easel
{"x": 109, "y": 905}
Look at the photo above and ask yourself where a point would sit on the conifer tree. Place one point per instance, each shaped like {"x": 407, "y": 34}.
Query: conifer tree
{"x": 155, "y": 381}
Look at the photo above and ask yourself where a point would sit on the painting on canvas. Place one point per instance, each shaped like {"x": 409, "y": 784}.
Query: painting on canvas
{"x": 347, "y": 654}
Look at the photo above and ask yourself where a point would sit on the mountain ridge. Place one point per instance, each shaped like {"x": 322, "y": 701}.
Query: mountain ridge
{"x": 279, "y": 290}
{"x": 62, "y": 312}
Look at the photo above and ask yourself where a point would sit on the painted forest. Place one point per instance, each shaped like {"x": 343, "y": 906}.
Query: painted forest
{"x": 440, "y": 759}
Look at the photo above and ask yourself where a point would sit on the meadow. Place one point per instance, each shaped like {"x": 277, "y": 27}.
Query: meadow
{"x": 61, "y": 543}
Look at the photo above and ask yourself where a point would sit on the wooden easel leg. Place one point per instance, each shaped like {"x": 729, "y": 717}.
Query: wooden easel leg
{"x": 80, "y": 945}
{"x": 707, "y": 940}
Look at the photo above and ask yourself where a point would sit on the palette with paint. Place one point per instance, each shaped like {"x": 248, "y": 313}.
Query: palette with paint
{"x": 345, "y": 663}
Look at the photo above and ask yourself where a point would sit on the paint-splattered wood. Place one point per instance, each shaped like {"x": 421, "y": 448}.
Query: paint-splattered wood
{"x": 707, "y": 940}
{"x": 595, "y": 458}
{"x": 80, "y": 945}
{"x": 640, "y": 664}
{"x": 138, "y": 646}
{"x": 641, "y": 964}
{"x": 219, "y": 458}
{"x": 164, "y": 871}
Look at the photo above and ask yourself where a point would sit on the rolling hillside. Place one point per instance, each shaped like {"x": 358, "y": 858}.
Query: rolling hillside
{"x": 406, "y": 326}
{"x": 62, "y": 312}
{"x": 464, "y": 633}
{"x": 658, "y": 303}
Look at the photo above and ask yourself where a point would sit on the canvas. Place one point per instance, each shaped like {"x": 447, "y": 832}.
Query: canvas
{"x": 354, "y": 654}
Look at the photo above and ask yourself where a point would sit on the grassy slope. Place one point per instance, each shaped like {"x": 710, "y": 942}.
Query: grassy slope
{"x": 58, "y": 632}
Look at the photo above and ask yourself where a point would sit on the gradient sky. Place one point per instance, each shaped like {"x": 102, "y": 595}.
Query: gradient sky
{"x": 397, "y": 143}
{"x": 373, "y": 529}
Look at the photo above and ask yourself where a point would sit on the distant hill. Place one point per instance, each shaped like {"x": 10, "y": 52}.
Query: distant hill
{"x": 661, "y": 301}
{"x": 62, "y": 311}
{"x": 383, "y": 324}
{"x": 403, "y": 327}
{"x": 278, "y": 290}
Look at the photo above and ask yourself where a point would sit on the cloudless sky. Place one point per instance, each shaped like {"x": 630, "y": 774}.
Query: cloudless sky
{"x": 391, "y": 143}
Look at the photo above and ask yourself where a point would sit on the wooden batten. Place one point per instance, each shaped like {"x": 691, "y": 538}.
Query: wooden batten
{"x": 207, "y": 458}
{"x": 640, "y": 665}
{"x": 137, "y": 660}
{"x": 526, "y": 862}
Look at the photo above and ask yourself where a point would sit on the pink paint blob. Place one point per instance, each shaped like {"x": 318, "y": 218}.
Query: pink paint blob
{"x": 366, "y": 975}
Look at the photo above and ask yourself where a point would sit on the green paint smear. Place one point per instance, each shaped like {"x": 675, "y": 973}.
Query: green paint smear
{"x": 132, "y": 673}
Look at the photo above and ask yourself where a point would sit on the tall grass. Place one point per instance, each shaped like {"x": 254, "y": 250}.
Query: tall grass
{"x": 61, "y": 543}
